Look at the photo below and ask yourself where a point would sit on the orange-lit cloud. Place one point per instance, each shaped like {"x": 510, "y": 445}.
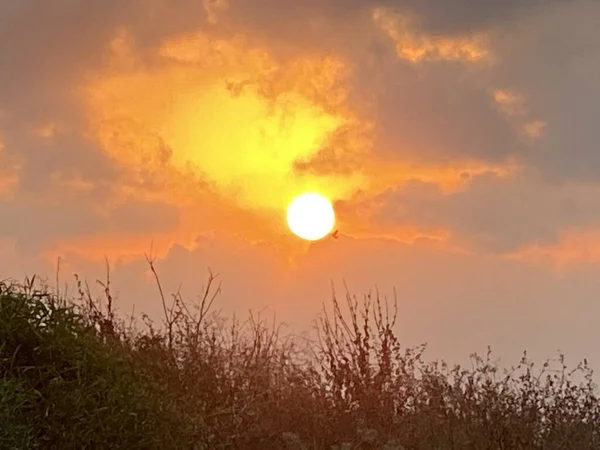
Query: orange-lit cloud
{"x": 416, "y": 46}
{"x": 449, "y": 177}
{"x": 509, "y": 102}
{"x": 572, "y": 247}
{"x": 224, "y": 123}
{"x": 227, "y": 131}
{"x": 220, "y": 115}
{"x": 227, "y": 112}
{"x": 514, "y": 106}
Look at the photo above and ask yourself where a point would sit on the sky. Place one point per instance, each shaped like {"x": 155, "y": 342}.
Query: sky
{"x": 457, "y": 140}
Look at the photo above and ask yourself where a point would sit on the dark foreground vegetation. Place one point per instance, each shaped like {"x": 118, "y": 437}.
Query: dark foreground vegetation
{"x": 74, "y": 376}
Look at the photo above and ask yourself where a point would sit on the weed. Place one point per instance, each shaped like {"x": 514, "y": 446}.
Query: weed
{"x": 74, "y": 376}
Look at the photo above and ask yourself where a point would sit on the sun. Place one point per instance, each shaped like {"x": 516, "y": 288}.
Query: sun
{"x": 311, "y": 216}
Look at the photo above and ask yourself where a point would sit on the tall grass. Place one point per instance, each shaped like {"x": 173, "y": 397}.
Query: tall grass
{"x": 76, "y": 376}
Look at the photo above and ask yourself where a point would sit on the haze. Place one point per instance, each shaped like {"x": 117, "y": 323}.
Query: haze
{"x": 458, "y": 141}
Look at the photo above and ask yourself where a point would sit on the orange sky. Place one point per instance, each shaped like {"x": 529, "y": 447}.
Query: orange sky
{"x": 455, "y": 141}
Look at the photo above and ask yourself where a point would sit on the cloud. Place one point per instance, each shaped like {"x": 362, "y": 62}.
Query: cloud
{"x": 556, "y": 73}
{"x": 416, "y": 46}
{"x": 336, "y": 21}
{"x": 509, "y": 102}
{"x": 459, "y": 16}
{"x": 574, "y": 247}
{"x": 514, "y": 106}
{"x": 493, "y": 214}
{"x": 229, "y": 112}
{"x": 428, "y": 115}
{"x": 213, "y": 115}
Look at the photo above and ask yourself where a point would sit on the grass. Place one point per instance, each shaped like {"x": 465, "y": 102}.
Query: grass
{"x": 73, "y": 375}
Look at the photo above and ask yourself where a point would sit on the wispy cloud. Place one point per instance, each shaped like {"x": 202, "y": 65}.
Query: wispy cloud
{"x": 415, "y": 46}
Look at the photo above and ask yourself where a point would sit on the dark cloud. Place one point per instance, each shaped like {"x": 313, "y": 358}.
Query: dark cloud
{"x": 496, "y": 214}
{"x": 45, "y": 50}
{"x": 44, "y": 46}
{"x": 295, "y": 20}
{"x": 556, "y": 70}
{"x": 47, "y": 47}
{"x": 459, "y": 16}
{"x": 429, "y": 114}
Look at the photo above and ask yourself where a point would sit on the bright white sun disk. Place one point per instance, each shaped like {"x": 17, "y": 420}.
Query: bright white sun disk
{"x": 311, "y": 216}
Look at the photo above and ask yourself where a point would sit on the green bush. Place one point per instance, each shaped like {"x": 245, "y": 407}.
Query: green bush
{"x": 66, "y": 387}
{"x": 15, "y": 399}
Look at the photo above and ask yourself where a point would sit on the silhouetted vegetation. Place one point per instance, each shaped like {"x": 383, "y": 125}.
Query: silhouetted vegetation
{"x": 75, "y": 376}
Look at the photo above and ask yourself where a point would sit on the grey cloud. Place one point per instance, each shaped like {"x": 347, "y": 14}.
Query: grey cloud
{"x": 295, "y": 20}
{"x": 33, "y": 224}
{"x": 47, "y": 46}
{"x": 68, "y": 154}
{"x": 459, "y": 16}
{"x": 46, "y": 51}
{"x": 43, "y": 46}
{"x": 554, "y": 60}
{"x": 429, "y": 112}
{"x": 496, "y": 214}
{"x": 144, "y": 217}
{"x": 436, "y": 113}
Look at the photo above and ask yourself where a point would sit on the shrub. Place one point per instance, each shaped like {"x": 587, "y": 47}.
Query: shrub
{"x": 72, "y": 389}
{"x": 74, "y": 376}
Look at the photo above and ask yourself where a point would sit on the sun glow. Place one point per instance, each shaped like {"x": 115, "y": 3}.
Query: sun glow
{"x": 226, "y": 125}
{"x": 229, "y": 113}
{"x": 311, "y": 216}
